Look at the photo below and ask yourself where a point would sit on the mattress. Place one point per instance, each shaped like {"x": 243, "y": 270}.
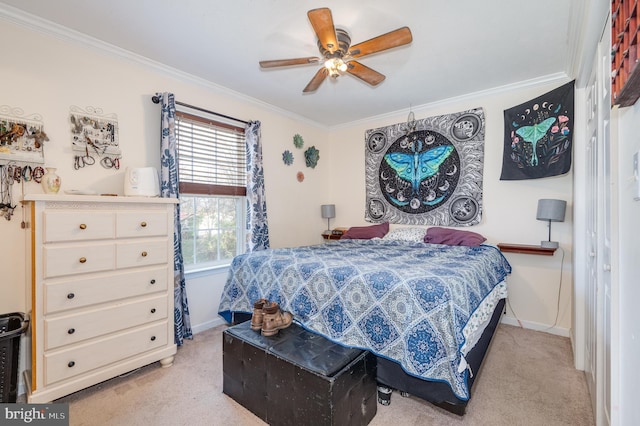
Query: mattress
{"x": 420, "y": 305}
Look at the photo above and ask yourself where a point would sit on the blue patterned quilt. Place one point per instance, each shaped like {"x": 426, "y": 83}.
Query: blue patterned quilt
{"x": 404, "y": 301}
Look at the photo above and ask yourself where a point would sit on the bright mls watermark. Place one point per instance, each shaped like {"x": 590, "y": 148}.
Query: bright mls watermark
{"x": 34, "y": 414}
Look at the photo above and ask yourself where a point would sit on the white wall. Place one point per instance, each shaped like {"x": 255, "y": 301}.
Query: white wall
{"x": 509, "y": 207}
{"x": 71, "y": 72}
{"x": 625, "y": 357}
{"x": 49, "y": 73}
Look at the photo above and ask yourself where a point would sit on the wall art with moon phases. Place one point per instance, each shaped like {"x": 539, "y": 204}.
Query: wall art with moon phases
{"x": 427, "y": 171}
{"x": 538, "y": 136}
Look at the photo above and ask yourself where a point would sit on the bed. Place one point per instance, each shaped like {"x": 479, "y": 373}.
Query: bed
{"x": 427, "y": 311}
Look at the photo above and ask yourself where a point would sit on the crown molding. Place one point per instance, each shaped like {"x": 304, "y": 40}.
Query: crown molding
{"x": 474, "y": 97}
{"x": 43, "y": 26}
{"x": 35, "y": 23}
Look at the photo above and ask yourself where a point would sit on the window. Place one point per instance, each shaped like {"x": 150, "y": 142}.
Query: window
{"x": 212, "y": 179}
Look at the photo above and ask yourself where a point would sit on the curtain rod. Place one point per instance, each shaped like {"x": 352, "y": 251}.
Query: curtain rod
{"x": 156, "y": 100}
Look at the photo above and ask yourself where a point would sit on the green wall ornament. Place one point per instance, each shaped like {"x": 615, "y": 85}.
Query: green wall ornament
{"x": 287, "y": 157}
{"x": 311, "y": 156}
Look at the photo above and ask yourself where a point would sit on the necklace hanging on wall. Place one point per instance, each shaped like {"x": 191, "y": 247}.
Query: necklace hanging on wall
{"x": 22, "y": 136}
{"x": 6, "y": 203}
{"x": 94, "y": 135}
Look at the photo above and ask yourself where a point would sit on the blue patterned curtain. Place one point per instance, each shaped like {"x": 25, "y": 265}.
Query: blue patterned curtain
{"x": 169, "y": 189}
{"x": 257, "y": 228}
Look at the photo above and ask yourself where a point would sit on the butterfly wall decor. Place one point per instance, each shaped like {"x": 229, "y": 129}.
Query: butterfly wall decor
{"x": 422, "y": 174}
{"x": 533, "y": 134}
{"x": 538, "y": 136}
{"x": 417, "y": 167}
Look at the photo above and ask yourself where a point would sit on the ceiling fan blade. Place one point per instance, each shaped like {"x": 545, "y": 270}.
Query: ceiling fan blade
{"x": 317, "y": 80}
{"x": 395, "y": 38}
{"x": 364, "y": 73}
{"x": 288, "y": 62}
{"x": 322, "y": 24}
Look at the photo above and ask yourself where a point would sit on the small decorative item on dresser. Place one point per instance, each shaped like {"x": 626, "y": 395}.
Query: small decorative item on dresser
{"x": 51, "y": 181}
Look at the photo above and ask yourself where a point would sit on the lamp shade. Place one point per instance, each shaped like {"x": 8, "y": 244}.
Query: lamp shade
{"x": 328, "y": 211}
{"x": 552, "y": 210}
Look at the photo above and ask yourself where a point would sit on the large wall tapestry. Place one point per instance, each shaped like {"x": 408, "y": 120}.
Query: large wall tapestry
{"x": 426, "y": 172}
{"x": 537, "y": 136}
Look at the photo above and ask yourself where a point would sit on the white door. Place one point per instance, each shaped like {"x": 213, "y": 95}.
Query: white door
{"x": 605, "y": 192}
{"x": 598, "y": 236}
{"x": 591, "y": 237}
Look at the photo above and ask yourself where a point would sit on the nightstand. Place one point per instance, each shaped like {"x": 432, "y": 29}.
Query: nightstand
{"x": 526, "y": 249}
{"x": 331, "y": 236}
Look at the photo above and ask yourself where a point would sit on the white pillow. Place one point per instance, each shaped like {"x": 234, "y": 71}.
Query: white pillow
{"x": 415, "y": 235}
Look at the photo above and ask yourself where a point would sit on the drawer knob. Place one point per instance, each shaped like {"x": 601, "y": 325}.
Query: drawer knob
{"x": 70, "y": 296}
{"x": 153, "y": 310}
{"x": 153, "y": 338}
{"x": 83, "y": 226}
{"x": 153, "y": 281}
{"x": 71, "y": 330}
{"x": 143, "y": 224}
{"x": 144, "y": 254}
{"x": 71, "y": 364}
{"x": 83, "y": 259}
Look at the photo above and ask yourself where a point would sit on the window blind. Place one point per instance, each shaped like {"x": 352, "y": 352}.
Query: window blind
{"x": 211, "y": 156}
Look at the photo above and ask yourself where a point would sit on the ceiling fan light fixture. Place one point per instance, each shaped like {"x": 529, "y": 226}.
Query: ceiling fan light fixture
{"x": 334, "y": 44}
{"x": 335, "y": 66}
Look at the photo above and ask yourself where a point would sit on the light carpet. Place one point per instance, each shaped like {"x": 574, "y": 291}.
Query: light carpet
{"x": 527, "y": 379}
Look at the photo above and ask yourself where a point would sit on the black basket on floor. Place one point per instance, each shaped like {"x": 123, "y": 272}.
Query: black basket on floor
{"x": 12, "y": 326}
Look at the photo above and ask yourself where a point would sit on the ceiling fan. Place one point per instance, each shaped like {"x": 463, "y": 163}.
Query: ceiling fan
{"x": 337, "y": 53}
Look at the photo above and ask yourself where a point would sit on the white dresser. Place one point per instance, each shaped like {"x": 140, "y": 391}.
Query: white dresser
{"x": 101, "y": 289}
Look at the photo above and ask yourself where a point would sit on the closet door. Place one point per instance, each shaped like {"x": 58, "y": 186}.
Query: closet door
{"x": 591, "y": 238}
{"x": 606, "y": 196}
{"x": 608, "y": 203}
{"x": 598, "y": 236}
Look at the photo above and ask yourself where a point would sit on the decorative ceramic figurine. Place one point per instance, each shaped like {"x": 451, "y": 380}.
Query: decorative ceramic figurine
{"x": 51, "y": 181}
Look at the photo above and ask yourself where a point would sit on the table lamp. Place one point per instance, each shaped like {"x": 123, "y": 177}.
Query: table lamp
{"x": 553, "y": 211}
{"x": 328, "y": 212}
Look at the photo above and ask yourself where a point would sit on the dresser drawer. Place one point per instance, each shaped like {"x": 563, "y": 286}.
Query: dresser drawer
{"x": 78, "y": 259}
{"x": 78, "y": 225}
{"x": 67, "y": 363}
{"x": 79, "y": 292}
{"x": 141, "y": 224}
{"x": 141, "y": 253}
{"x": 97, "y": 322}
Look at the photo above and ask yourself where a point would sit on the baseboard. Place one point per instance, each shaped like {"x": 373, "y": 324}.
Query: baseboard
{"x": 559, "y": 331}
{"x": 207, "y": 325}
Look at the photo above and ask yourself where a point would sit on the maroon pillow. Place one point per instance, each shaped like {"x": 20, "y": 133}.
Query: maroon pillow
{"x": 453, "y": 237}
{"x": 366, "y": 232}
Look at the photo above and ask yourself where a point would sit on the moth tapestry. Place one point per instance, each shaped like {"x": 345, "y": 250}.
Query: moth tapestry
{"x": 537, "y": 136}
{"x": 426, "y": 172}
